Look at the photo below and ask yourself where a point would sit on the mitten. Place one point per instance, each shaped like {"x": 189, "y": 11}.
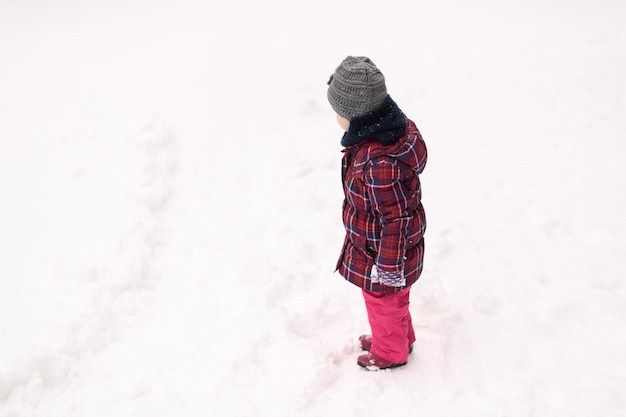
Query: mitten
{"x": 390, "y": 279}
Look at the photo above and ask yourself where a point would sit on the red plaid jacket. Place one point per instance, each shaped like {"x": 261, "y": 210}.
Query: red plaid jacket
{"x": 382, "y": 210}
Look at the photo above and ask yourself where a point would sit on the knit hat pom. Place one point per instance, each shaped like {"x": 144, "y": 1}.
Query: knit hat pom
{"x": 357, "y": 87}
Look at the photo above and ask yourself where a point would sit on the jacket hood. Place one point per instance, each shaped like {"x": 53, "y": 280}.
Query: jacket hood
{"x": 410, "y": 149}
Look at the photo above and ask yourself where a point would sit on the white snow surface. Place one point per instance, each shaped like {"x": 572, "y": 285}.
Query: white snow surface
{"x": 170, "y": 217}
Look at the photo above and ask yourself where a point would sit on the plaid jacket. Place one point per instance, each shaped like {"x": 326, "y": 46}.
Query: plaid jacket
{"x": 382, "y": 210}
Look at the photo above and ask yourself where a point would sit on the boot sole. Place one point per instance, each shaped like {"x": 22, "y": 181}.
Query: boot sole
{"x": 376, "y": 368}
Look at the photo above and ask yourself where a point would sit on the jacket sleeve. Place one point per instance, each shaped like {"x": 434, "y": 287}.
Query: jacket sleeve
{"x": 391, "y": 200}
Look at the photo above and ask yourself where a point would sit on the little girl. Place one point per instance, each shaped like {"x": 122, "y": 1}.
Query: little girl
{"x": 385, "y": 222}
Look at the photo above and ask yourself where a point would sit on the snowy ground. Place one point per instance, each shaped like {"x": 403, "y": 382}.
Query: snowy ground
{"x": 170, "y": 214}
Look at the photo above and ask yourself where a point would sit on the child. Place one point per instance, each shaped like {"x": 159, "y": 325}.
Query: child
{"x": 385, "y": 222}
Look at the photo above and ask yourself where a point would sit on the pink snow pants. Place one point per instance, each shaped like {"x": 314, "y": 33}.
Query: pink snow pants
{"x": 390, "y": 320}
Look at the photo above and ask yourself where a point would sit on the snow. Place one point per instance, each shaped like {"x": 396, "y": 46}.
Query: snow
{"x": 170, "y": 216}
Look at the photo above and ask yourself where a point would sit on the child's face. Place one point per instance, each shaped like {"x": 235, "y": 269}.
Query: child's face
{"x": 344, "y": 123}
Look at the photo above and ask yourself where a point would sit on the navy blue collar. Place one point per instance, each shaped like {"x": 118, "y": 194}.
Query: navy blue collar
{"x": 386, "y": 124}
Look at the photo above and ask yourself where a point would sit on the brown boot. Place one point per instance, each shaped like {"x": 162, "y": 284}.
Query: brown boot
{"x": 365, "y": 342}
{"x": 372, "y": 362}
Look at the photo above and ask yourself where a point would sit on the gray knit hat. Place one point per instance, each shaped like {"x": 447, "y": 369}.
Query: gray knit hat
{"x": 357, "y": 87}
